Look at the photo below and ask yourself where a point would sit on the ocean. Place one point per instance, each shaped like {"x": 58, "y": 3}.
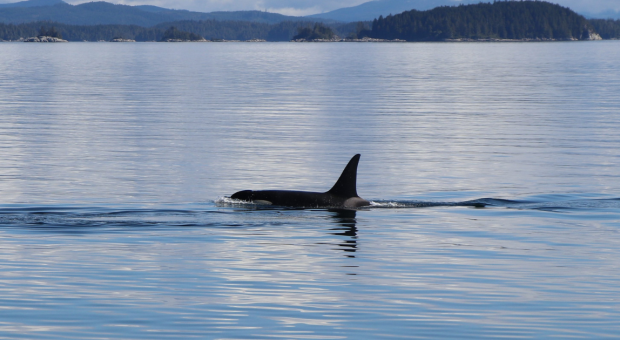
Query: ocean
{"x": 117, "y": 161}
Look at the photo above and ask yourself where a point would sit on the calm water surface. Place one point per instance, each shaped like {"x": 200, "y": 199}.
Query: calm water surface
{"x": 115, "y": 160}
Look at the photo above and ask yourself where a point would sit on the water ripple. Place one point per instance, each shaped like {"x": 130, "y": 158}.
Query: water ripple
{"x": 111, "y": 154}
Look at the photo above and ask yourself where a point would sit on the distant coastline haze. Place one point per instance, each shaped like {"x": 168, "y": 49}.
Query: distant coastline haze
{"x": 331, "y": 8}
{"x": 499, "y": 21}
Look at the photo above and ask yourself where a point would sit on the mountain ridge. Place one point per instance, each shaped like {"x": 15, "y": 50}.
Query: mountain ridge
{"x": 105, "y": 13}
{"x": 31, "y": 3}
{"x": 371, "y": 10}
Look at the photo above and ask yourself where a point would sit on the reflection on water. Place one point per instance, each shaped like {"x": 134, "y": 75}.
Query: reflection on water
{"x": 345, "y": 219}
{"x": 241, "y": 273}
{"x": 492, "y": 169}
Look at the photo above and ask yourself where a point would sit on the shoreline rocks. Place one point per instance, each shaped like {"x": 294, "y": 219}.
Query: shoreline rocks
{"x": 366, "y": 39}
{"x": 503, "y": 40}
{"x": 122, "y": 40}
{"x": 222, "y": 40}
{"x": 183, "y": 40}
{"x": 338, "y": 39}
{"x": 44, "y": 39}
{"x": 594, "y": 36}
{"x": 591, "y": 38}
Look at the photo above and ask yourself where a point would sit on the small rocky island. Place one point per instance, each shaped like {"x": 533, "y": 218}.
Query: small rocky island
{"x": 120, "y": 39}
{"x": 175, "y": 35}
{"x": 46, "y": 35}
{"x": 317, "y": 33}
{"x": 44, "y": 39}
{"x": 322, "y": 33}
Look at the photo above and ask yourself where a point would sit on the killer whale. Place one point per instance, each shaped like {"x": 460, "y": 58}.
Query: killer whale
{"x": 342, "y": 195}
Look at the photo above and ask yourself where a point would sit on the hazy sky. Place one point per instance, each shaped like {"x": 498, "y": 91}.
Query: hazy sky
{"x": 305, "y": 7}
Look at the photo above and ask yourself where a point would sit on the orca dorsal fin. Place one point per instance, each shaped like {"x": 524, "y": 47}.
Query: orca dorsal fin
{"x": 346, "y": 186}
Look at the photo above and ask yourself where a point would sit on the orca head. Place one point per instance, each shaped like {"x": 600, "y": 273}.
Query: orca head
{"x": 244, "y": 195}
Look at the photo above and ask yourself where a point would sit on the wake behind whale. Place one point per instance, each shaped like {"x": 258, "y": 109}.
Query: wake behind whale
{"x": 81, "y": 218}
{"x": 344, "y": 195}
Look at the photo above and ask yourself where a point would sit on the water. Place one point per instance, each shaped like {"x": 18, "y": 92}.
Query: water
{"x": 115, "y": 160}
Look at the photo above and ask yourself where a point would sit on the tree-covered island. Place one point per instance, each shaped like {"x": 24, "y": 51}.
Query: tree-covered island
{"x": 513, "y": 20}
{"x": 317, "y": 33}
{"x": 47, "y": 35}
{"x": 173, "y": 34}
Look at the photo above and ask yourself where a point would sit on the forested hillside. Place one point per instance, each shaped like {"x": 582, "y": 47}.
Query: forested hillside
{"x": 499, "y": 20}
{"x": 210, "y": 29}
{"x": 607, "y": 28}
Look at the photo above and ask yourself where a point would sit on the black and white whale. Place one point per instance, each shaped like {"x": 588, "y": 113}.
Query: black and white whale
{"x": 342, "y": 195}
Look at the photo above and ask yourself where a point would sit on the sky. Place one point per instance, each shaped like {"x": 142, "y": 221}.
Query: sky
{"x": 306, "y": 7}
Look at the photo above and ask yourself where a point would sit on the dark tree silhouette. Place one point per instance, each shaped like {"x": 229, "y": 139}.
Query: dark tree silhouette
{"x": 173, "y": 33}
{"x": 500, "y": 20}
{"x": 607, "y": 28}
{"x": 319, "y": 31}
{"x": 52, "y": 32}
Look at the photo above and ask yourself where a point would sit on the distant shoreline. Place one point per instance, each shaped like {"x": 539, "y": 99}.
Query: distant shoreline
{"x": 500, "y": 21}
{"x": 30, "y": 40}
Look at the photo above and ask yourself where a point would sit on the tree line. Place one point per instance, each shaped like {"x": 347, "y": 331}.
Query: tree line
{"x": 319, "y": 31}
{"x": 49, "y": 32}
{"x": 174, "y": 33}
{"x": 209, "y": 29}
{"x": 607, "y": 28}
